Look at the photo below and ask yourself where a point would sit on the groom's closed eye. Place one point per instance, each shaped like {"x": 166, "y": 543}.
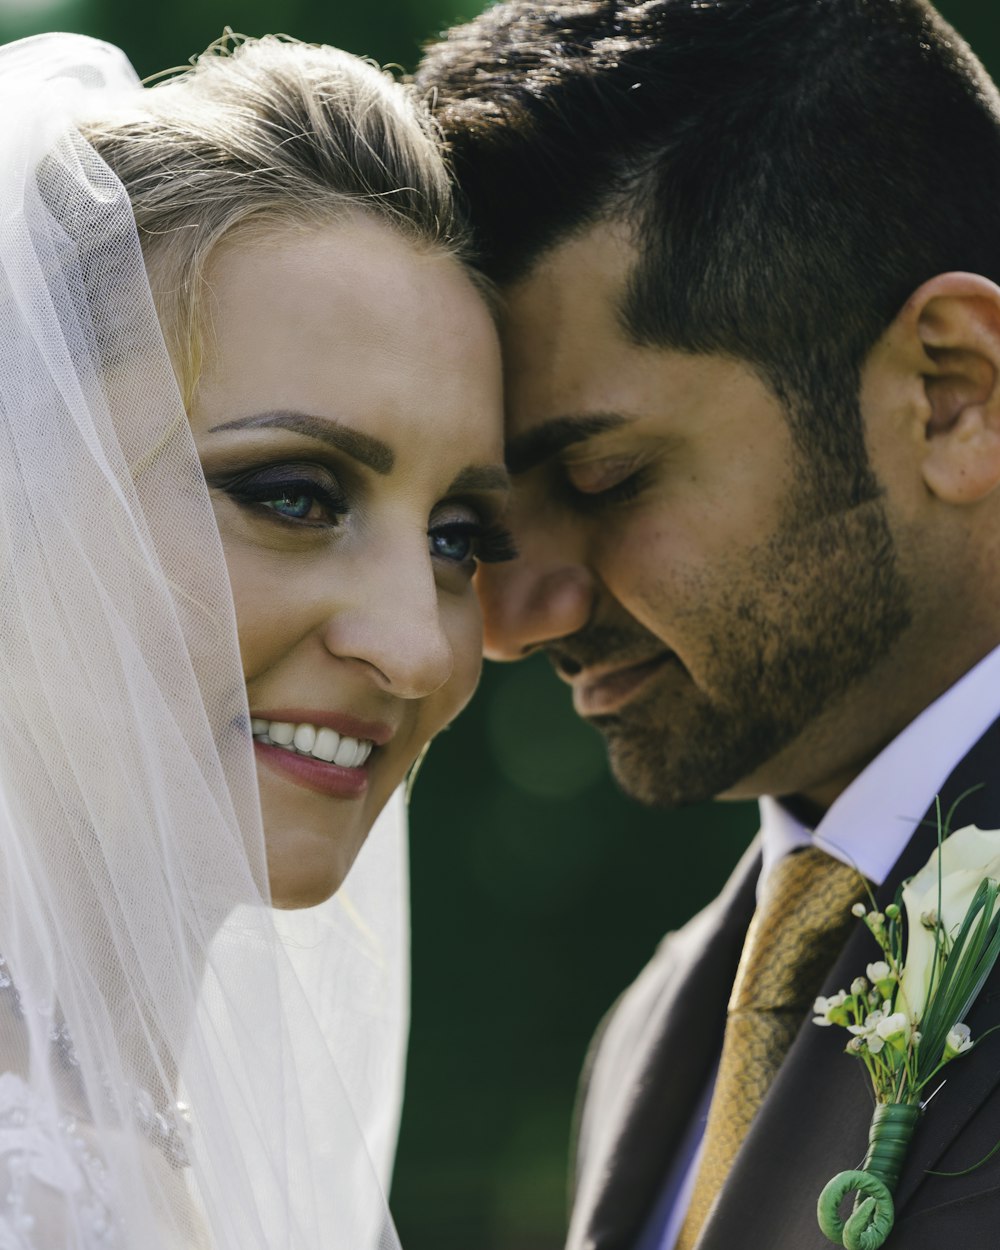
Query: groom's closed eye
{"x": 536, "y": 446}
{"x": 608, "y": 479}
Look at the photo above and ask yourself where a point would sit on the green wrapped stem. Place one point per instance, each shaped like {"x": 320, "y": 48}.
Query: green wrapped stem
{"x": 889, "y": 1138}
{"x": 871, "y": 1221}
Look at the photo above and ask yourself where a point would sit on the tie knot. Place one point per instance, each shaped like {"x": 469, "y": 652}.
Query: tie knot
{"x": 801, "y": 922}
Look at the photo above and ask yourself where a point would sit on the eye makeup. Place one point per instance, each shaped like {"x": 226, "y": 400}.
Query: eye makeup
{"x": 292, "y": 493}
{"x": 481, "y": 541}
{"x": 307, "y": 495}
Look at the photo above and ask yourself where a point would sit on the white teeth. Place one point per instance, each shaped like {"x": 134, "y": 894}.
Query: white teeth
{"x": 346, "y": 752}
{"x": 305, "y": 739}
{"x": 326, "y": 745}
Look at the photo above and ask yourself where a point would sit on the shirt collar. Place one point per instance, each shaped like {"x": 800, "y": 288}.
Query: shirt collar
{"x": 871, "y": 822}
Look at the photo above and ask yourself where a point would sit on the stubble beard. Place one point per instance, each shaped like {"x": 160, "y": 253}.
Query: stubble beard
{"x": 793, "y": 627}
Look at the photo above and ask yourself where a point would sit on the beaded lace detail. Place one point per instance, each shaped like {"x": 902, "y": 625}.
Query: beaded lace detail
{"x": 166, "y": 1127}
{"x": 53, "y": 1186}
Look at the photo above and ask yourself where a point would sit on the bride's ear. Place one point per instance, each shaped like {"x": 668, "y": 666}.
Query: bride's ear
{"x": 953, "y": 323}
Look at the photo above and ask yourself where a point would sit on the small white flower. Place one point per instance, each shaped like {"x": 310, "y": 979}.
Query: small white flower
{"x": 826, "y": 1009}
{"x": 894, "y": 1027}
{"x": 893, "y": 1030}
{"x": 879, "y": 971}
{"x": 859, "y": 910}
{"x": 958, "y": 1041}
{"x": 867, "y": 1033}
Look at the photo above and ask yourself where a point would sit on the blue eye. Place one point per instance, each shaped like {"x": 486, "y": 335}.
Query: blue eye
{"x": 304, "y": 495}
{"x": 456, "y": 543}
{"x": 467, "y": 543}
{"x": 295, "y": 507}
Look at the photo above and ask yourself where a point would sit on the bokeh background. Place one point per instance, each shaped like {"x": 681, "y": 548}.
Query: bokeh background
{"x": 538, "y": 890}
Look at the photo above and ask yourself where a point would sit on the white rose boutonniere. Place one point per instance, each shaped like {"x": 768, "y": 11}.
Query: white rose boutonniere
{"x": 965, "y": 859}
{"x": 940, "y": 940}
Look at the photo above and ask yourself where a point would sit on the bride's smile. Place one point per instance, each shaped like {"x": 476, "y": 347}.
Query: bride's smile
{"x": 322, "y": 751}
{"x": 347, "y": 420}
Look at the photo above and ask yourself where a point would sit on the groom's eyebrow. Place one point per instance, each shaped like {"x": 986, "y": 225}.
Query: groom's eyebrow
{"x": 533, "y": 447}
{"x": 372, "y": 452}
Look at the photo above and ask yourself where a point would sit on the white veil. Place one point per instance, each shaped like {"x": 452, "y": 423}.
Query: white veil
{"x": 140, "y": 956}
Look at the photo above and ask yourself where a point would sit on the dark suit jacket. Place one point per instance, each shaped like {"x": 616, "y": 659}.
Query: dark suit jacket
{"x": 651, "y": 1061}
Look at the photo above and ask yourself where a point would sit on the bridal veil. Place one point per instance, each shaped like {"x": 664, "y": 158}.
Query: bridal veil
{"x": 142, "y": 965}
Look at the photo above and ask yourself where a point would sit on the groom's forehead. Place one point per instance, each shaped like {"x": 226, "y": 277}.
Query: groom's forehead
{"x": 574, "y": 288}
{"x": 565, "y": 348}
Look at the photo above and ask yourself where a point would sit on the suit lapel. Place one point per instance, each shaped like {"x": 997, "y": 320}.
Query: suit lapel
{"x": 643, "y": 1094}
{"x": 814, "y": 1122}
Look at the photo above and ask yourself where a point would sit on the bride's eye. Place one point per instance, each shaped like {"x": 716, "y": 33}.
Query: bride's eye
{"x": 469, "y": 540}
{"x": 304, "y": 507}
{"x": 453, "y": 542}
{"x": 306, "y": 495}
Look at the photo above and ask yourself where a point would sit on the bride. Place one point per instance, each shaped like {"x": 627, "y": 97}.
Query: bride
{"x": 249, "y": 459}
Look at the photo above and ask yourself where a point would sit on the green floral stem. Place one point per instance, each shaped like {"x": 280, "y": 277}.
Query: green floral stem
{"x": 871, "y": 1221}
{"x": 889, "y": 1138}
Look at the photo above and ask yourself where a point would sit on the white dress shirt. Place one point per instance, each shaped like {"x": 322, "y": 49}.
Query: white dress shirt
{"x": 868, "y": 826}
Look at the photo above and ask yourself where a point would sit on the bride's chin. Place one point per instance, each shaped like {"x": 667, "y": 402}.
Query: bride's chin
{"x": 306, "y": 867}
{"x": 311, "y": 839}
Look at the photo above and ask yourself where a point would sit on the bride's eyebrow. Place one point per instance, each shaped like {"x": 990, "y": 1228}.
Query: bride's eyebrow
{"x": 372, "y": 452}
{"x": 490, "y": 477}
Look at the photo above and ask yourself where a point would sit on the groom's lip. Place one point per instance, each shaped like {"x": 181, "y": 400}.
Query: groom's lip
{"x": 599, "y": 693}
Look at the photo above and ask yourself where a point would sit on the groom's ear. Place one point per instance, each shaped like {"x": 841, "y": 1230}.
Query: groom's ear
{"x": 949, "y": 333}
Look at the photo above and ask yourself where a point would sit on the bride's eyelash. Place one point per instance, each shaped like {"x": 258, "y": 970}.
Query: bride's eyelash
{"x": 261, "y": 487}
{"x": 495, "y": 544}
{"x": 256, "y": 489}
{"x": 492, "y": 542}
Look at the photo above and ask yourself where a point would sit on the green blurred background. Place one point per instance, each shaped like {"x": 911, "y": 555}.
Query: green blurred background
{"x": 538, "y": 890}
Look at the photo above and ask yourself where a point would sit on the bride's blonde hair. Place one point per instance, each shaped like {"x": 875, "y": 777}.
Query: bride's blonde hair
{"x": 267, "y": 132}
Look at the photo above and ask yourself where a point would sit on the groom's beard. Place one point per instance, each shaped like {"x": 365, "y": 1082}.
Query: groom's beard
{"x": 772, "y": 639}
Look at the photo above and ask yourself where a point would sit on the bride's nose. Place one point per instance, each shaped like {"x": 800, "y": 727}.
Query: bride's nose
{"x": 395, "y": 623}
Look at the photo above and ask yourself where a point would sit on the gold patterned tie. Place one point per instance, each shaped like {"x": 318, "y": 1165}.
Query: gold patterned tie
{"x": 801, "y": 922}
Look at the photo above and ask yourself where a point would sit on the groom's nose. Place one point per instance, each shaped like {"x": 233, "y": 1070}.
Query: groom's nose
{"x": 545, "y": 593}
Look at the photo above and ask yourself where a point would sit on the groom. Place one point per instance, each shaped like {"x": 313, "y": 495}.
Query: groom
{"x": 748, "y": 252}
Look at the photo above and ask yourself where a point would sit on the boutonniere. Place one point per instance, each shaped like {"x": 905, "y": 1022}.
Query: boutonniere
{"x": 939, "y": 941}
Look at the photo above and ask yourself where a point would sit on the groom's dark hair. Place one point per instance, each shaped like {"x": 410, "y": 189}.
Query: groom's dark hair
{"x": 792, "y": 170}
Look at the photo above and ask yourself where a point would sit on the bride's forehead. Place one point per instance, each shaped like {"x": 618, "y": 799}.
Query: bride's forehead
{"x": 357, "y": 326}
{"x": 354, "y": 293}
{"x": 373, "y": 268}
